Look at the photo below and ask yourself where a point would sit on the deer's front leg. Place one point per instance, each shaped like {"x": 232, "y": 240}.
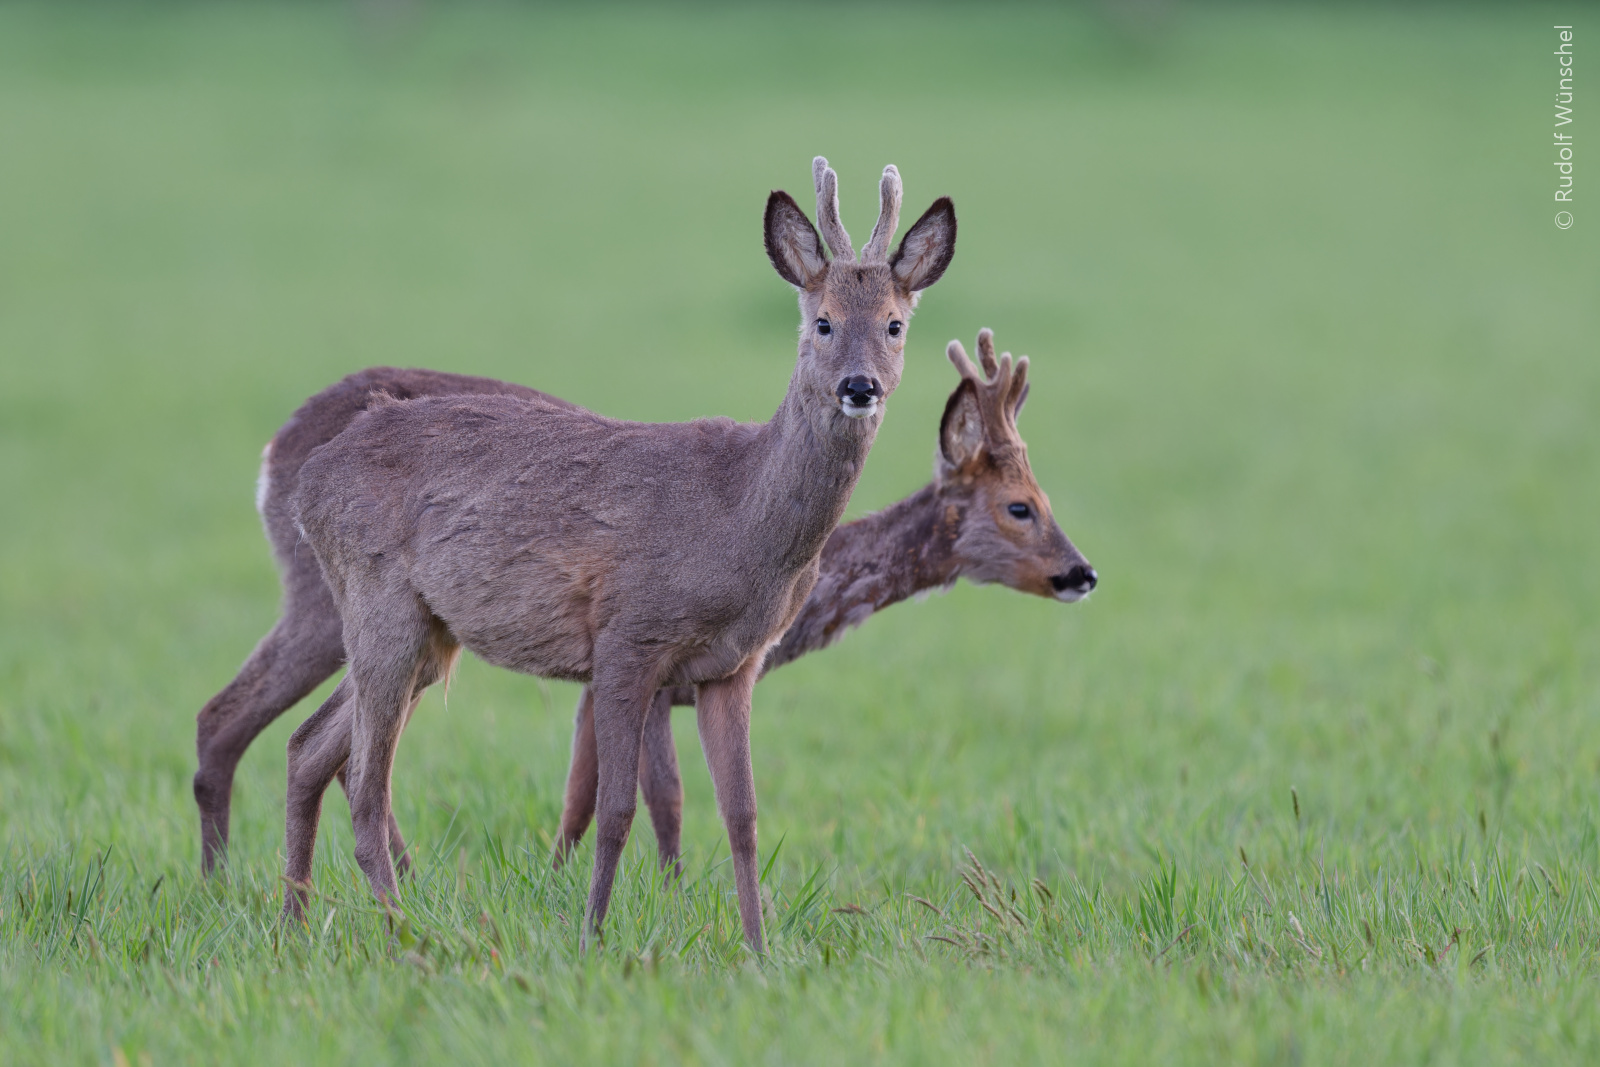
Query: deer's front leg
{"x": 660, "y": 781}
{"x": 621, "y": 699}
{"x": 723, "y": 711}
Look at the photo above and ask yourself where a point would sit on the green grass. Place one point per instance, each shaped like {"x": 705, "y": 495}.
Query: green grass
{"x": 1315, "y": 388}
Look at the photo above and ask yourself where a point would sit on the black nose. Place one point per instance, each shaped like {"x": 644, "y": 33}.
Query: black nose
{"x": 859, "y": 390}
{"x": 1080, "y": 579}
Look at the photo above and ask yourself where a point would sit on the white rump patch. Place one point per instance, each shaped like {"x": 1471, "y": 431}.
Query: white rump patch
{"x": 264, "y": 480}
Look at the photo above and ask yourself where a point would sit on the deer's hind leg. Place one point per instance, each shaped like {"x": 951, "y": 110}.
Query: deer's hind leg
{"x": 299, "y": 654}
{"x": 319, "y": 752}
{"x": 398, "y": 850}
{"x": 397, "y": 649}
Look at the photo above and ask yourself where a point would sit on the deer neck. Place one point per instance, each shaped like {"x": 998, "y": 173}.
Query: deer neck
{"x": 807, "y": 467}
{"x": 867, "y": 565}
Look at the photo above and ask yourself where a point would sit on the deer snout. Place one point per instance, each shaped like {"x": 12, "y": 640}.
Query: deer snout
{"x": 859, "y": 395}
{"x": 1076, "y": 583}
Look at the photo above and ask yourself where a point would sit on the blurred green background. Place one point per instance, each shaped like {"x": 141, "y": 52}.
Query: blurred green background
{"x": 1315, "y": 388}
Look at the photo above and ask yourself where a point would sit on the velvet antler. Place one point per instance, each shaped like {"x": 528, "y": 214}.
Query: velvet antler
{"x": 999, "y": 390}
{"x": 833, "y": 230}
{"x": 877, "y": 249}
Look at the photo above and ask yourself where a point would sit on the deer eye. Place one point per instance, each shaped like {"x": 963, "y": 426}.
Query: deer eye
{"x": 895, "y": 326}
{"x": 824, "y": 327}
{"x": 1020, "y": 511}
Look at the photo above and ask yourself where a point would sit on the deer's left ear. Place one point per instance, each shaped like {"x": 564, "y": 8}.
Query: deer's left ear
{"x": 927, "y": 249}
{"x": 961, "y": 429}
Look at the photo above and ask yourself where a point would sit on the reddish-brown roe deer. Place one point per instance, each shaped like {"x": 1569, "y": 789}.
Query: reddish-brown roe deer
{"x": 983, "y": 517}
{"x": 629, "y": 556}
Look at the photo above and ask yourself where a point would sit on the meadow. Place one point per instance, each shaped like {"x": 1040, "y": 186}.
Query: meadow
{"x": 1311, "y": 778}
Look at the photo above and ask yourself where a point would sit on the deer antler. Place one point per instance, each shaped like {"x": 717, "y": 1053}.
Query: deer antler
{"x": 833, "y": 231}
{"x": 877, "y": 249}
{"x": 999, "y": 389}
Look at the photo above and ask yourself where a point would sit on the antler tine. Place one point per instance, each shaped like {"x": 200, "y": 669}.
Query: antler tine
{"x": 1019, "y": 386}
{"x": 998, "y": 389}
{"x": 986, "y": 351}
{"x": 958, "y": 355}
{"x": 889, "y": 190}
{"x": 999, "y": 420}
{"x": 827, "y": 183}
{"x": 1000, "y": 386}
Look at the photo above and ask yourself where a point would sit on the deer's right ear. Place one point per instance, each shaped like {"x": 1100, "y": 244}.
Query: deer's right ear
{"x": 961, "y": 429}
{"x": 792, "y": 242}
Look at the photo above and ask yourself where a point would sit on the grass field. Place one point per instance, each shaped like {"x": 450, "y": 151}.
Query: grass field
{"x": 1312, "y": 778}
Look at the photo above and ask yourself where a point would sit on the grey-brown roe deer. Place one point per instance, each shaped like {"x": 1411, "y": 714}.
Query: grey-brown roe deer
{"x": 630, "y": 556}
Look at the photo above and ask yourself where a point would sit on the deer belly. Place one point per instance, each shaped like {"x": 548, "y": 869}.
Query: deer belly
{"x": 543, "y": 626}
{"x": 566, "y": 653}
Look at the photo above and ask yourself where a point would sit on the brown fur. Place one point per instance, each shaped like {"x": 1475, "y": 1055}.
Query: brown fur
{"x": 554, "y": 541}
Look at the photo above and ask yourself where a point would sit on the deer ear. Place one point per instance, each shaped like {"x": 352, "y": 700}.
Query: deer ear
{"x": 961, "y": 429}
{"x": 792, "y": 242}
{"x": 925, "y": 253}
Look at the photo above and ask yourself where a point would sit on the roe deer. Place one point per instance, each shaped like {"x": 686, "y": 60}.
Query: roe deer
{"x": 629, "y": 556}
{"x": 917, "y": 544}
{"x": 983, "y": 517}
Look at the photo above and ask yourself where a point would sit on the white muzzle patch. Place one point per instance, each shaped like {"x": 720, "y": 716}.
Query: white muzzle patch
{"x": 858, "y": 411}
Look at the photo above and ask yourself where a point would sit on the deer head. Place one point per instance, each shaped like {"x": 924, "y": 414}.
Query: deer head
{"x": 854, "y": 310}
{"x": 1007, "y": 533}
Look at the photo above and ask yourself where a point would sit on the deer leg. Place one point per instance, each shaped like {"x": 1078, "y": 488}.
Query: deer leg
{"x": 723, "y": 711}
{"x": 394, "y": 656}
{"x": 318, "y": 751}
{"x": 397, "y": 844}
{"x": 583, "y": 780}
{"x": 621, "y": 700}
{"x": 323, "y": 742}
{"x": 660, "y": 782}
{"x": 658, "y": 779}
{"x": 299, "y": 654}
